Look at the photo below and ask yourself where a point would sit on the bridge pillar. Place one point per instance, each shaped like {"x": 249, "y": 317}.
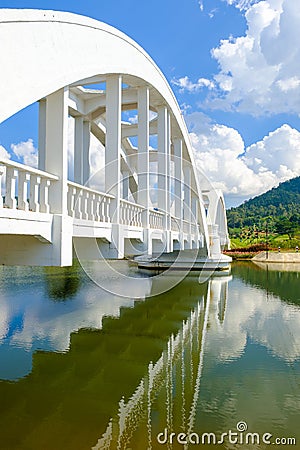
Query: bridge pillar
{"x": 86, "y": 152}
{"x": 113, "y": 159}
{"x": 187, "y": 200}
{"x": 163, "y": 174}
{"x": 78, "y": 150}
{"x": 125, "y": 184}
{"x": 178, "y": 188}
{"x": 42, "y": 134}
{"x": 194, "y": 214}
{"x": 81, "y": 151}
{"x": 143, "y": 163}
{"x": 53, "y": 158}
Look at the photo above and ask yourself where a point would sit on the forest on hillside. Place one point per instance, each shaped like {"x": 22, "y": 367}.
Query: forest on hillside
{"x": 276, "y": 212}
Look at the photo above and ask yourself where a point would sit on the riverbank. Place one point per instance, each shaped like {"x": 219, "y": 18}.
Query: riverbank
{"x": 277, "y": 257}
{"x": 262, "y": 256}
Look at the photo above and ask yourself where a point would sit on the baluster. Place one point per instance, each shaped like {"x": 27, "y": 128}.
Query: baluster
{"x": 74, "y": 202}
{"x": 10, "y": 197}
{"x": 1, "y": 174}
{"x": 78, "y": 204}
{"x": 133, "y": 215}
{"x": 101, "y": 214}
{"x": 71, "y": 201}
{"x": 107, "y": 201}
{"x": 122, "y": 212}
{"x": 91, "y": 206}
{"x": 35, "y": 181}
{"x": 84, "y": 209}
{"x": 23, "y": 179}
{"x": 96, "y": 208}
{"x": 103, "y": 210}
{"x": 44, "y": 195}
{"x": 136, "y": 216}
{"x": 103, "y": 206}
{"x": 128, "y": 214}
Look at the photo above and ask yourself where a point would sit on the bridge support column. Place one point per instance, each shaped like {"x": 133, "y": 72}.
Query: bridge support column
{"x": 178, "y": 188}
{"x": 42, "y": 135}
{"x": 81, "y": 151}
{"x": 56, "y": 162}
{"x": 113, "y": 159}
{"x": 143, "y": 162}
{"x": 194, "y": 219}
{"x": 78, "y": 150}
{"x": 86, "y": 173}
{"x": 187, "y": 200}
{"x": 125, "y": 183}
{"x": 163, "y": 168}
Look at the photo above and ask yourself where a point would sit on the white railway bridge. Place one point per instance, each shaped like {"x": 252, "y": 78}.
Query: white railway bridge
{"x": 147, "y": 198}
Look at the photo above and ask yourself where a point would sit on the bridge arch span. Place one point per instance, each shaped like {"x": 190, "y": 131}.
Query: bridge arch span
{"x": 78, "y": 67}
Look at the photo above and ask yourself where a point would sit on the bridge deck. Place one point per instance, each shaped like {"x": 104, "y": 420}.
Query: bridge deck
{"x": 26, "y": 210}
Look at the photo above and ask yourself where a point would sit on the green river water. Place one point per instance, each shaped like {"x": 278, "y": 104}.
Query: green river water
{"x": 210, "y": 364}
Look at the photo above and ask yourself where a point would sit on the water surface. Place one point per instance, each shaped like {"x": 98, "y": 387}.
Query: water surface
{"x": 81, "y": 368}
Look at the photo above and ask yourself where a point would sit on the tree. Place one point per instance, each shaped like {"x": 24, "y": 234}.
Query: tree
{"x": 286, "y": 226}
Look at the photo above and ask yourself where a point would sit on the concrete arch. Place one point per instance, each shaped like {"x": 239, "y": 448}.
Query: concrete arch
{"x": 38, "y": 44}
{"x": 49, "y": 56}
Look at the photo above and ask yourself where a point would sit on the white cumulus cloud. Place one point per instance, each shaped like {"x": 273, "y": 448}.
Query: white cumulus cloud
{"x": 26, "y": 152}
{"x": 241, "y": 4}
{"x": 185, "y": 84}
{"x": 243, "y": 172}
{"x": 260, "y": 71}
{"x": 4, "y": 153}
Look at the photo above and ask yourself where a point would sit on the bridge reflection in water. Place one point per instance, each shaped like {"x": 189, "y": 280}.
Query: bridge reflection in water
{"x": 167, "y": 396}
{"x": 190, "y": 359}
{"x": 103, "y": 392}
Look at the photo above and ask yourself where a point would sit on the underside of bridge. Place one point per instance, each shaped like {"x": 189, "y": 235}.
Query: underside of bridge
{"x": 137, "y": 191}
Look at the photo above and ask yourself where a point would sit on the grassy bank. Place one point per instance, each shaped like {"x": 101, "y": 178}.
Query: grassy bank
{"x": 246, "y": 249}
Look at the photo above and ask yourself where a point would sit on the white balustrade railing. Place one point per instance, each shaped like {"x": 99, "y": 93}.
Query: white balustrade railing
{"x": 131, "y": 213}
{"x": 85, "y": 203}
{"x": 24, "y": 188}
{"x": 156, "y": 220}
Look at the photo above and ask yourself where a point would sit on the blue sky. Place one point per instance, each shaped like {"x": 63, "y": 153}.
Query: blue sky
{"x": 234, "y": 67}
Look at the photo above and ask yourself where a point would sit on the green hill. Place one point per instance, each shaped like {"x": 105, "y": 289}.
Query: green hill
{"x": 283, "y": 200}
{"x": 278, "y": 210}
